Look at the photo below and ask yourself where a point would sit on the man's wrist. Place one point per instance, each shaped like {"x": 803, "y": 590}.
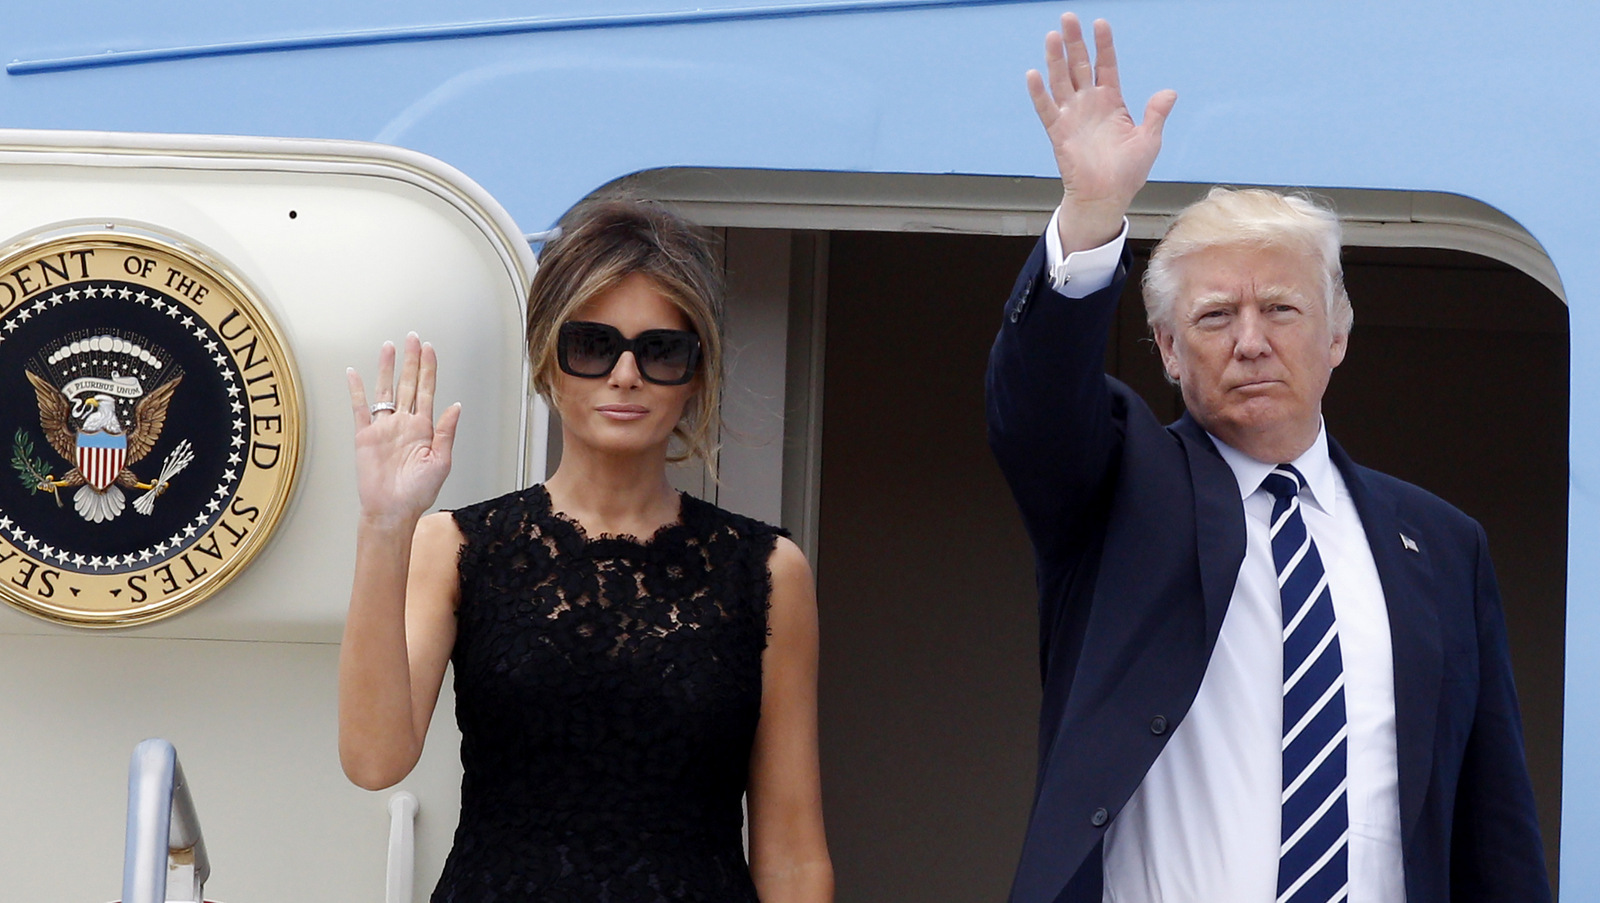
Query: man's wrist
{"x": 1083, "y": 227}
{"x": 1081, "y": 273}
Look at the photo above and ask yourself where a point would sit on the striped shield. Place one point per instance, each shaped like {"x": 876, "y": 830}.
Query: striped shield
{"x": 100, "y": 457}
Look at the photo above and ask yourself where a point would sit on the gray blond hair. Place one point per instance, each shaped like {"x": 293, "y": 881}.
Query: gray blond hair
{"x": 1252, "y": 217}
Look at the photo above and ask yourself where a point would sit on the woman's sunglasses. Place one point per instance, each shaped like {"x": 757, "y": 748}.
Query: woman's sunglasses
{"x": 666, "y": 357}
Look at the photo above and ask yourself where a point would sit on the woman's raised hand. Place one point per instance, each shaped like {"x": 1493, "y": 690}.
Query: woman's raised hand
{"x": 402, "y": 455}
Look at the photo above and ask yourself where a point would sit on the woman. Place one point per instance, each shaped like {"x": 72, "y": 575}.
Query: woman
{"x": 629, "y": 661}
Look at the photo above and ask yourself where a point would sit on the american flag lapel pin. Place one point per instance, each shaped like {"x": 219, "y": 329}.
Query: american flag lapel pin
{"x": 1409, "y": 543}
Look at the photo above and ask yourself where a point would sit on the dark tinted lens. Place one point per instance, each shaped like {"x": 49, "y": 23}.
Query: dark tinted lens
{"x": 667, "y": 355}
{"x": 589, "y": 349}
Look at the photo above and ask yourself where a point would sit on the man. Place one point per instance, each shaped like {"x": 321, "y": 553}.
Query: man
{"x": 1270, "y": 674}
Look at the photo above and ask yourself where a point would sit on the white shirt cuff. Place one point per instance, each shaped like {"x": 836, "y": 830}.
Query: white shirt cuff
{"x": 1082, "y": 273}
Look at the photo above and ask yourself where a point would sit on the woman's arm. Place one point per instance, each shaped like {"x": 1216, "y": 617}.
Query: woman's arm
{"x": 397, "y": 640}
{"x": 401, "y": 624}
{"x": 788, "y": 850}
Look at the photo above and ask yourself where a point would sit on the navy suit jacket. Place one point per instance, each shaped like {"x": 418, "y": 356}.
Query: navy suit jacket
{"x": 1138, "y": 532}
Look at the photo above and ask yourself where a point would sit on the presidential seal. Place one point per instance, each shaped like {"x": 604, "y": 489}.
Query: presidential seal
{"x": 154, "y": 425}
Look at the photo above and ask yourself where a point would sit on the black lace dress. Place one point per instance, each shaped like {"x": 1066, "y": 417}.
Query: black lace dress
{"x": 607, "y": 691}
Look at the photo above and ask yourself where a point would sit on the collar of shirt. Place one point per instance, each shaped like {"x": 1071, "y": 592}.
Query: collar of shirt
{"x": 1315, "y": 465}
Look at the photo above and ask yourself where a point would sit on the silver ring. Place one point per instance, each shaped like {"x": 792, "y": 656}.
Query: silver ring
{"x": 385, "y": 406}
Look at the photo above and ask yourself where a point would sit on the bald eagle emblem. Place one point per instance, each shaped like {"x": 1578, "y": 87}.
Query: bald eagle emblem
{"x": 81, "y": 423}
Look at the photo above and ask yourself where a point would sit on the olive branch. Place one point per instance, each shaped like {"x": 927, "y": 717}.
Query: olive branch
{"x": 32, "y": 471}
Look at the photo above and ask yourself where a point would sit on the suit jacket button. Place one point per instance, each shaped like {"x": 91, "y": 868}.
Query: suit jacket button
{"x": 1158, "y": 725}
{"x": 1099, "y": 818}
{"x": 1018, "y": 308}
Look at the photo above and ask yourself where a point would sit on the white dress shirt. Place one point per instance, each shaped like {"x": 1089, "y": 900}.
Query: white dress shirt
{"x": 1204, "y": 825}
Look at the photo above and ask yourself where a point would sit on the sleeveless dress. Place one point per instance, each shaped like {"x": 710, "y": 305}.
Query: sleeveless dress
{"x": 607, "y": 691}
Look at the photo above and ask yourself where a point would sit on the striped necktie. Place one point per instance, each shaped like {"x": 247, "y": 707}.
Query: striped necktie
{"x": 1313, "y": 862}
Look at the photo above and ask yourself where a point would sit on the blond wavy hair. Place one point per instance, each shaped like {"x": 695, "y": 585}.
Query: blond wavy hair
{"x": 603, "y": 242}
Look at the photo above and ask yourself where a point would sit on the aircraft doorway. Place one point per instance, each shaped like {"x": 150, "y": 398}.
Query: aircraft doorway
{"x": 1456, "y": 380}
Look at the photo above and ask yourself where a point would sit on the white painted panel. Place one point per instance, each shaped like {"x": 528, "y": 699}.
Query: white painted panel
{"x": 256, "y": 728}
{"x": 756, "y": 334}
{"x": 382, "y": 241}
{"x": 372, "y": 252}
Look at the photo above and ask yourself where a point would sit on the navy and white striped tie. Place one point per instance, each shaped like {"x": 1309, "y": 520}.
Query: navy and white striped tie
{"x": 1313, "y": 862}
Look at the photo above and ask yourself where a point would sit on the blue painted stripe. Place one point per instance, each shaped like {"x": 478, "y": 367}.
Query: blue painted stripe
{"x": 102, "y": 440}
{"x": 492, "y": 28}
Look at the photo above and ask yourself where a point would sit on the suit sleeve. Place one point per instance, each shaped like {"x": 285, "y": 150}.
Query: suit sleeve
{"x": 1496, "y": 854}
{"x": 1051, "y": 425}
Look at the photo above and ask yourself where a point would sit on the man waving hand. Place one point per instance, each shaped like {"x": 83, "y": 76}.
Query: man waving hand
{"x": 1270, "y": 674}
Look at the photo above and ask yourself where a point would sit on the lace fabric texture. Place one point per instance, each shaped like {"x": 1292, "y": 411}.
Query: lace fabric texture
{"x": 607, "y": 691}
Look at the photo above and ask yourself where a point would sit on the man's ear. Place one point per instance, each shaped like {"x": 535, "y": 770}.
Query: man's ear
{"x": 1341, "y": 343}
{"x": 1169, "y": 357}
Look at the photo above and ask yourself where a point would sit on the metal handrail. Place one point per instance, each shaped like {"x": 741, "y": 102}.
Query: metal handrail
{"x": 163, "y": 831}
{"x": 402, "y": 869}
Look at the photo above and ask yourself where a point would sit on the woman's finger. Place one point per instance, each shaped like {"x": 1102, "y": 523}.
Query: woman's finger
{"x": 358, "y": 398}
{"x": 426, "y": 379}
{"x": 406, "y": 392}
{"x": 444, "y": 433}
{"x": 384, "y": 389}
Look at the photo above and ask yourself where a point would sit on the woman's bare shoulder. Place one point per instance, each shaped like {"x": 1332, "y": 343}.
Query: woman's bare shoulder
{"x": 787, "y": 563}
{"x": 437, "y": 532}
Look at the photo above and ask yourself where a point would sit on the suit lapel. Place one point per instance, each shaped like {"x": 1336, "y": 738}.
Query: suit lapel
{"x": 1406, "y": 575}
{"x": 1219, "y": 519}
